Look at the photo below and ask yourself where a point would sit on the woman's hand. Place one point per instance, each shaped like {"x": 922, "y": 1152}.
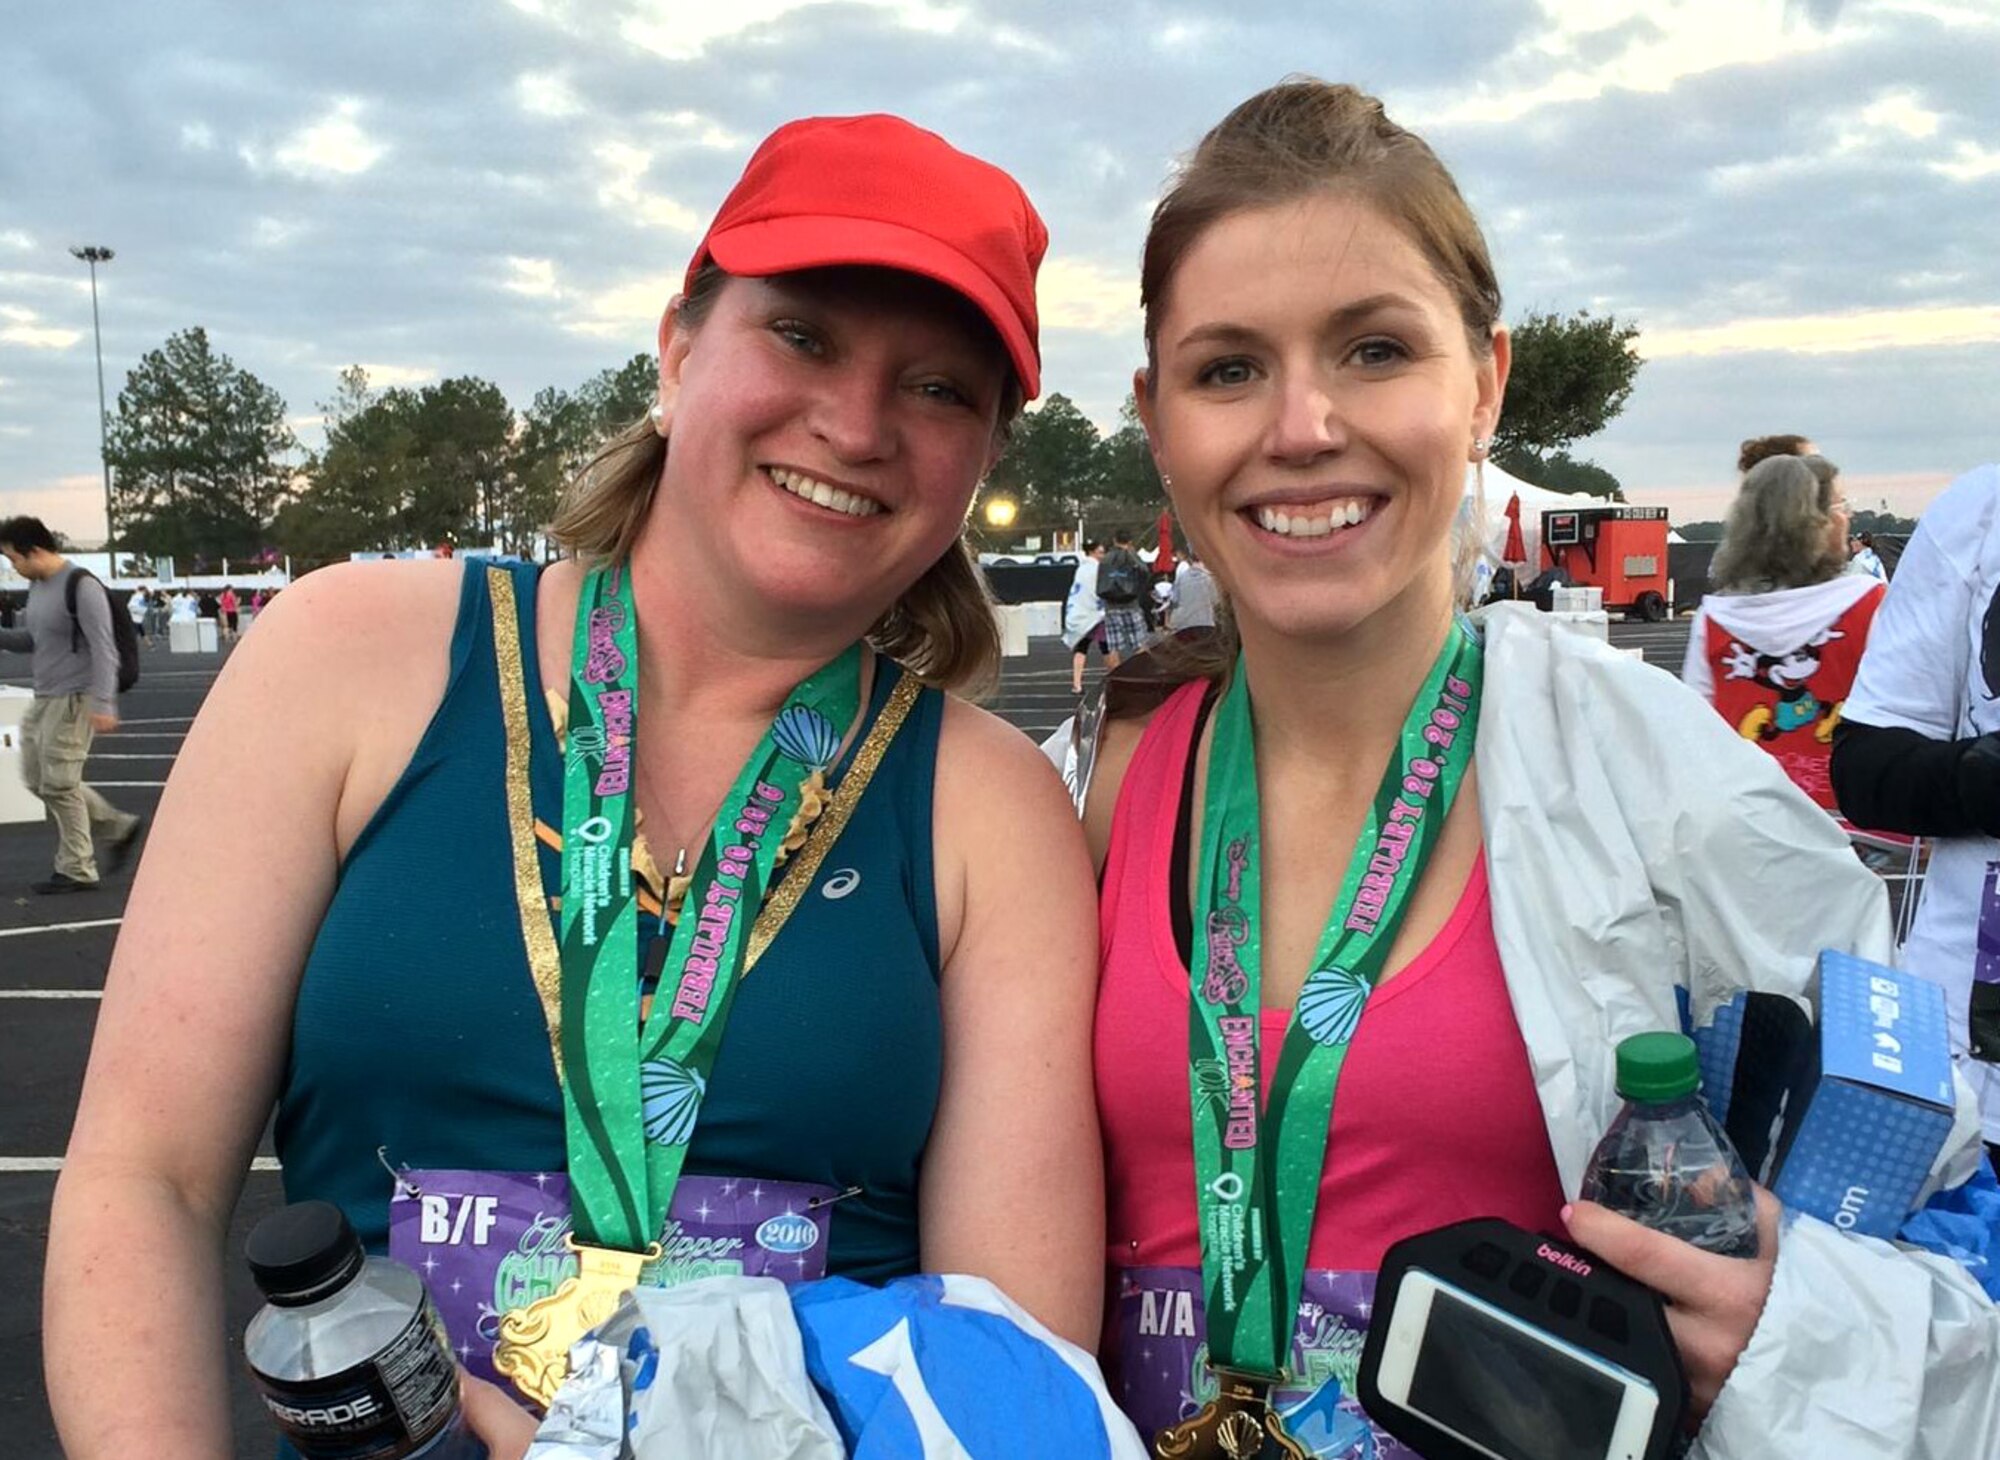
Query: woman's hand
{"x": 1713, "y": 1302}
{"x": 503, "y": 1426}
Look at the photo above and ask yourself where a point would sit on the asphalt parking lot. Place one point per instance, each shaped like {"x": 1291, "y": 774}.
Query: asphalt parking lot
{"x": 53, "y": 956}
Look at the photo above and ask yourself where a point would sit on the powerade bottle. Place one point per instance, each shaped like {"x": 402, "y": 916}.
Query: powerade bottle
{"x": 349, "y": 1352}
{"x": 1664, "y": 1162}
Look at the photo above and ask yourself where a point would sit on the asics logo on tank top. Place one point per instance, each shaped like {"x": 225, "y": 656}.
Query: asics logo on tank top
{"x": 843, "y": 881}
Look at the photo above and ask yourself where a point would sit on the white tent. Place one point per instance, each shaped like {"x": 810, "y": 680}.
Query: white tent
{"x": 1500, "y": 487}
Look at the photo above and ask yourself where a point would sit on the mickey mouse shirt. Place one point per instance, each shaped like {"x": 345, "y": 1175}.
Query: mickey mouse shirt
{"x": 1778, "y": 666}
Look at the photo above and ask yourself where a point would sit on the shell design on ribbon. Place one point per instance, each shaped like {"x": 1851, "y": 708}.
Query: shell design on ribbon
{"x": 1330, "y": 1005}
{"x": 805, "y": 735}
{"x": 669, "y": 1099}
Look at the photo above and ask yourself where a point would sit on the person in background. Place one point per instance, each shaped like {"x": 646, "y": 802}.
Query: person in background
{"x": 1918, "y": 751}
{"x": 139, "y": 606}
{"x": 1862, "y": 557}
{"x": 159, "y": 607}
{"x": 1122, "y": 586}
{"x": 1576, "y": 850}
{"x": 756, "y": 628}
{"x": 1083, "y": 614}
{"x": 1762, "y": 448}
{"x": 1192, "y": 605}
{"x": 76, "y": 700}
{"x": 1775, "y": 646}
{"x": 227, "y": 607}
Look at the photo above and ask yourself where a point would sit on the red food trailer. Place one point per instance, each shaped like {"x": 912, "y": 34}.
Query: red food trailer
{"x": 1622, "y": 550}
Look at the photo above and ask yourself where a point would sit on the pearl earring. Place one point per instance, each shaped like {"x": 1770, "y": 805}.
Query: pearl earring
{"x": 658, "y": 414}
{"x": 1481, "y": 446}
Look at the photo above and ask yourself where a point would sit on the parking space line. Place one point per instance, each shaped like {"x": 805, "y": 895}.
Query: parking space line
{"x": 105, "y": 755}
{"x": 182, "y": 673}
{"x": 60, "y": 927}
{"x": 51, "y": 993}
{"x": 127, "y": 785}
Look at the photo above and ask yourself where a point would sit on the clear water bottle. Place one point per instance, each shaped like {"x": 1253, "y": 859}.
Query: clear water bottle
{"x": 349, "y": 1352}
{"x": 1664, "y": 1162}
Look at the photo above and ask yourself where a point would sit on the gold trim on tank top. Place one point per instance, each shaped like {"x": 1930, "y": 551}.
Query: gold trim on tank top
{"x": 530, "y": 897}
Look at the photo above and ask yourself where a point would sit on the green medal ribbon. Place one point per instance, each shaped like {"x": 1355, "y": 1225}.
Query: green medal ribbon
{"x": 630, "y": 1095}
{"x": 1257, "y": 1188}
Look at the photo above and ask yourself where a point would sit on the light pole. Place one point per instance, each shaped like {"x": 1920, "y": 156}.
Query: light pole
{"x": 93, "y": 255}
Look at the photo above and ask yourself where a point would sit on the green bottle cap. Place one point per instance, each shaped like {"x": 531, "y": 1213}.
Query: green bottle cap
{"x": 1659, "y": 1066}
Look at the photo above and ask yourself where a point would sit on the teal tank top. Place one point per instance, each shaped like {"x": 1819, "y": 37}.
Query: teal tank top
{"x": 417, "y": 1027}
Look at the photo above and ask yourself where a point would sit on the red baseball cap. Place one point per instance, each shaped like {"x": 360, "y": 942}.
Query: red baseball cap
{"x": 875, "y": 190}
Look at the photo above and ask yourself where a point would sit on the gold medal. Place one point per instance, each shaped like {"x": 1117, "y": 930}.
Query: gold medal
{"x": 1238, "y": 1424}
{"x": 535, "y": 1340}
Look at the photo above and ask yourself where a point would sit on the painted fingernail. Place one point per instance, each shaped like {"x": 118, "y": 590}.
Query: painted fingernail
{"x": 1567, "y": 1209}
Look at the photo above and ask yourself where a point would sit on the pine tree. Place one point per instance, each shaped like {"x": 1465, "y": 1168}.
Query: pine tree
{"x": 197, "y": 448}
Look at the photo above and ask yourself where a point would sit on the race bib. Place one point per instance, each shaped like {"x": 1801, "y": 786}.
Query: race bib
{"x": 1159, "y": 1374}
{"x": 487, "y": 1242}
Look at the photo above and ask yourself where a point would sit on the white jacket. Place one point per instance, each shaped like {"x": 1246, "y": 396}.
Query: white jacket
{"x": 1636, "y": 846}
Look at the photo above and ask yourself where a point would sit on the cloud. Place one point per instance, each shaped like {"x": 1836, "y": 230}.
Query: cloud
{"x": 275, "y": 232}
{"x": 1082, "y": 294}
{"x": 39, "y": 337}
{"x": 1969, "y": 163}
{"x": 1879, "y": 329}
{"x": 547, "y": 94}
{"x": 683, "y": 32}
{"x": 1796, "y": 207}
{"x": 333, "y": 146}
{"x": 535, "y": 278}
{"x": 622, "y": 170}
{"x": 1901, "y": 112}
{"x": 627, "y": 310}
{"x": 21, "y": 328}
{"x": 387, "y": 377}
{"x": 1581, "y": 58}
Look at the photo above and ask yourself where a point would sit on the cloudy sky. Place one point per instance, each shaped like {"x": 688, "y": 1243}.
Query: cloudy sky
{"x": 1798, "y": 201}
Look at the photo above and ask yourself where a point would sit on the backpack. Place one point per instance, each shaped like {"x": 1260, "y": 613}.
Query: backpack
{"x": 122, "y": 631}
{"x": 1121, "y": 579}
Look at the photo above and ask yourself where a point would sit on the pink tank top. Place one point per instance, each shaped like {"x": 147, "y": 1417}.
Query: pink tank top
{"x": 1436, "y": 1119}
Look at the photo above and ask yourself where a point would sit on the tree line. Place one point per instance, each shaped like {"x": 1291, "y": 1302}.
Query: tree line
{"x": 1860, "y": 520}
{"x": 206, "y": 465}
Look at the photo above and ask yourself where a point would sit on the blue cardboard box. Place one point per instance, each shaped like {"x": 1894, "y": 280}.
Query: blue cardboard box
{"x": 1872, "y": 1104}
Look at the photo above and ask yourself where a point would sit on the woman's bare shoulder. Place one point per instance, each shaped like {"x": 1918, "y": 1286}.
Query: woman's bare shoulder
{"x": 360, "y": 652}
{"x": 332, "y": 605}
{"x": 981, "y": 756}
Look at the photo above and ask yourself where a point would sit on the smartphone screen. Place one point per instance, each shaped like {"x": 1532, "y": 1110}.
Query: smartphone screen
{"x": 1519, "y": 1398}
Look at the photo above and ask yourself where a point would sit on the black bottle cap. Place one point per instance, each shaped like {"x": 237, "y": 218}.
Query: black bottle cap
{"x": 303, "y": 1252}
